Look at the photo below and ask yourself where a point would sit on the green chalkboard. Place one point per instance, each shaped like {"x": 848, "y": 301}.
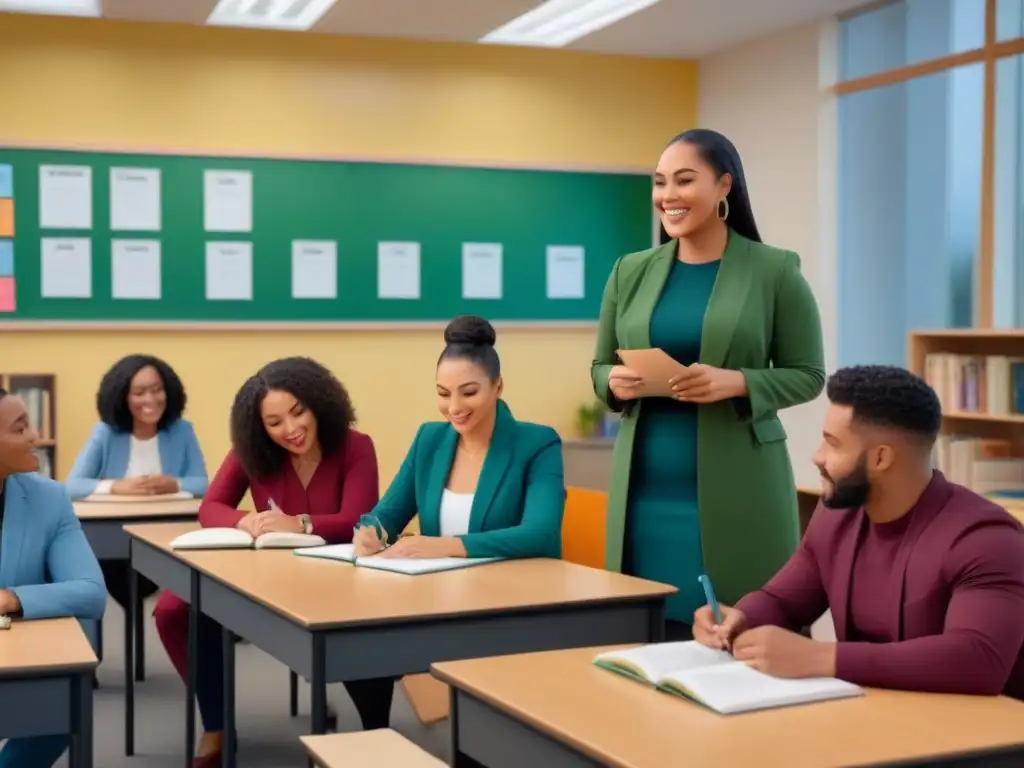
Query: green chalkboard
{"x": 356, "y": 204}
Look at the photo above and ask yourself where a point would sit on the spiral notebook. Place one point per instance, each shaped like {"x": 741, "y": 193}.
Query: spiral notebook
{"x": 407, "y": 565}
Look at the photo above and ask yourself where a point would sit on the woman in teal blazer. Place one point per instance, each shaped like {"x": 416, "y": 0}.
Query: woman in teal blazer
{"x": 482, "y": 483}
{"x": 141, "y": 446}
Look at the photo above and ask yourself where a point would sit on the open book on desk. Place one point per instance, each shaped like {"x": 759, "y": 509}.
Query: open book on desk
{"x": 409, "y": 565}
{"x": 125, "y": 498}
{"x": 716, "y": 680}
{"x": 233, "y": 538}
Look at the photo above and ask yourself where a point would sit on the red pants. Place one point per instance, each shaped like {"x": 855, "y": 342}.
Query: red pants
{"x": 372, "y": 698}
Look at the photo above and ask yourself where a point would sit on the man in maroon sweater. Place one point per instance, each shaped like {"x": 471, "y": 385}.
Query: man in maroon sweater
{"x": 925, "y": 579}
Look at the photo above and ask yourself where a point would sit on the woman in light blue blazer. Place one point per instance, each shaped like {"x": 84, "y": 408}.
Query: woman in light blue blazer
{"x": 142, "y": 446}
{"x": 47, "y": 568}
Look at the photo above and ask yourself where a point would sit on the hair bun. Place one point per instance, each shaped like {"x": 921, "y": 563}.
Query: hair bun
{"x": 470, "y": 330}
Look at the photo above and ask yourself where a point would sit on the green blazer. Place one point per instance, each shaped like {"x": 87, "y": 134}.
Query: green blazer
{"x": 762, "y": 319}
{"x": 519, "y": 499}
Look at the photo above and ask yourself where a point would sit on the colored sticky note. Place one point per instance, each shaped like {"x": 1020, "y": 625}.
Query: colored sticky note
{"x": 6, "y": 258}
{"x": 6, "y": 181}
{"x": 6, "y": 217}
{"x": 6, "y": 294}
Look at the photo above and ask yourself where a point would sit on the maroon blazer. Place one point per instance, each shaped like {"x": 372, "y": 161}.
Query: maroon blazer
{"x": 344, "y": 487}
{"x": 954, "y": 597}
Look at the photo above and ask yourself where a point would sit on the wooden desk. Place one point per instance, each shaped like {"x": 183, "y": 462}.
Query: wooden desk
{"x": 46, "y": 669}
{"x": 557, "y": 709}
{"x": 367, "y": 749}
{"x": 332, "y": 621}
{"x": 103, "y": 525}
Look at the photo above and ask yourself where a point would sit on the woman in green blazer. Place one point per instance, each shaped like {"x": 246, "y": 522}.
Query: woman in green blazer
{"x": 701, "y": 481}
{"x": 482, "y": 483}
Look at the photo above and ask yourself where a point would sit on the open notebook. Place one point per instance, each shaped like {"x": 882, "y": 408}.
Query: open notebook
{"x": 410, "y": 565}
{"x": 716, "y": 680}
{"x": 233, "y": 538}
{"x": 123, "y": 498}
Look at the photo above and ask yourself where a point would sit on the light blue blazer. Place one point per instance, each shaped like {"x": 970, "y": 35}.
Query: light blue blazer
{"x": 105, "y": 457}
{"x": 45, "y": 558}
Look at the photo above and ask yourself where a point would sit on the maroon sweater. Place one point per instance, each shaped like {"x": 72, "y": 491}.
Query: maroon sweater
{"x": 344, "y": 486}
{"x": 931, "y": 602}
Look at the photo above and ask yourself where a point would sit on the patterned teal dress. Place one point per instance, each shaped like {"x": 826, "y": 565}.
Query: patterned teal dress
{"x": 662, "y": 527}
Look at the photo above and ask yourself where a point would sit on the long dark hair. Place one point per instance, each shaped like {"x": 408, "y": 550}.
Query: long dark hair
{"x": 718, "y": 152}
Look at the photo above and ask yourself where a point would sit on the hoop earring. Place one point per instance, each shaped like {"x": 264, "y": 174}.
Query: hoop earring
{"x": 723, "y": 208}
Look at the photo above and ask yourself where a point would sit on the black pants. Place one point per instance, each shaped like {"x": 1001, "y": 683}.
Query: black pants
{"x": 115, "y": 574}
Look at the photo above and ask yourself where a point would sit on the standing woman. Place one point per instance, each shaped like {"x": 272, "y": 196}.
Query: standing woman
{"x": 294, "y": 451}
{"x": 701, "y": 481}
{"x": 141, "y": 446}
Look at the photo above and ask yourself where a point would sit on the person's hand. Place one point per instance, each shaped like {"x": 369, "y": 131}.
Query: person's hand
{"x": 781, "y": 653}
{"x": 624, "y": 382}
{"x": 366, "y": 541}
{"x": 699, "y": 383}
{"x": 717, "y": 636}
{"x": 248, "y": 524}
{"x": 423, "y": 547}
{"x": 132, "y": 486}
{"x": 160, "y": 484}
{"x": 275, "y": 521}
{"x": 9, "y": 602}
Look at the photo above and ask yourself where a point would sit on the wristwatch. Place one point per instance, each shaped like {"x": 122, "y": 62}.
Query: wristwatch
{"x": 307, "y": 525}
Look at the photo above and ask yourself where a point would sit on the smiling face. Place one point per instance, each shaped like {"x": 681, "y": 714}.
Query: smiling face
{"x": 17, "y": 438}
{"x": 687, "y": 190}
{"x": 466, "y": 396}
{"x": 147, "y": 398}
{"x": 843, "y": 460}
{"x": 289, "y": 423}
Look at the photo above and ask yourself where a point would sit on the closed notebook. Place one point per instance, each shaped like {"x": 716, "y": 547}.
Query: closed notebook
{"x": 409, "y": 565}
{"x": 233, "y": 538}
{"x": 123, "y": 498}
{"x": 716, "y": 680}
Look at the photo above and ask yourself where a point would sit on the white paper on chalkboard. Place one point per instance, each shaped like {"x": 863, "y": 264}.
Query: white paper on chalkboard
{"x": 565, "y": 271}
{"x": 481, "y": 271}
{"x": 398, "y": 270}
{"x": 228, "y": 271}
{"x": 65, "y": 197}
{"x": 227, "y": 201}
{"x": 135, "y": 269}
{"x": 314, "y": 269}
{"x": 66, "y": 268}
{"x": 135, "y": 199}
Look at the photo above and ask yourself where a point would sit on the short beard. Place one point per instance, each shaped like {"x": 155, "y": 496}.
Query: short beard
{"x": 850, "y": 492}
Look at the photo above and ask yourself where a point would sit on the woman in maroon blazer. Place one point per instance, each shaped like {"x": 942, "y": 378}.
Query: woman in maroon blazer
{"x": 294, "y": 450}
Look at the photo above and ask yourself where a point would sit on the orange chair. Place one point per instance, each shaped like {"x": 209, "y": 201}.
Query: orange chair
{"x": 583, "y": 542}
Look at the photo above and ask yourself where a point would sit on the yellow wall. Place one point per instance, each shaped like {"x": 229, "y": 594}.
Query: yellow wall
{"x": 128, "y": 86}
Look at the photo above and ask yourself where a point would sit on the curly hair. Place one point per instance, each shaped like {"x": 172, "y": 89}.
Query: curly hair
{"x": 112, "y": 398}
{"x": 308, "y": 382}
{"x": 888, "y": 396}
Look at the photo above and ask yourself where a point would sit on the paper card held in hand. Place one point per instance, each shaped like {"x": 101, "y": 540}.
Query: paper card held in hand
{"x": 655, "y": 367}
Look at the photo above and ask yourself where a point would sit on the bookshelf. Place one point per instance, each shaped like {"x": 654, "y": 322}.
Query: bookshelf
{"x": 978, "y": 375}
{"x": 38, "y": 390}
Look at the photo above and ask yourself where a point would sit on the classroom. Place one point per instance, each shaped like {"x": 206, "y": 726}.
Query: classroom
{"x": 217, "y": 185}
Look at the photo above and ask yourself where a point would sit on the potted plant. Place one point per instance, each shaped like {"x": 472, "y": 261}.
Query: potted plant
{"x": 590, "y": 419}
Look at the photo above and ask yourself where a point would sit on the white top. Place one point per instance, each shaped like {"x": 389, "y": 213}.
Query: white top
{"x": 143, "y": 459}
{"x": 455, "y": 509}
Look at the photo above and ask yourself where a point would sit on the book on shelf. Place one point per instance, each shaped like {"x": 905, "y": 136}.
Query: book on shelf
{"x": 408, "y": 565}
{"x": 982, "y": 384}
{"x": 234, "y": 538}
{"x": 987, "y": 466}
{"x": 716, "y": 680}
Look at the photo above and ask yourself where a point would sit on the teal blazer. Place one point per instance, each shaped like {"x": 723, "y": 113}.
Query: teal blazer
{"x": 105, "y": 457}
{"x": 519, "y": 499}
{"x": 45, "y": 558}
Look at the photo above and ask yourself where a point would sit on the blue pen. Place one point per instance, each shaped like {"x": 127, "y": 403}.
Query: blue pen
{"x": 709, "y": 593}
{"x": 371, "y": 521}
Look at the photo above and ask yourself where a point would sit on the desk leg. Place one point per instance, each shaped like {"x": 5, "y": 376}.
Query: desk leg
{"x": 656, "y": 630}
{"x": 193, "y": 669}
{"x": 140, "y": 633}
{"x": 228, "y": 756}
{"x": 80, "y": 749}
{"x": 318, "y": 687}
{"x": 129, "y": 660}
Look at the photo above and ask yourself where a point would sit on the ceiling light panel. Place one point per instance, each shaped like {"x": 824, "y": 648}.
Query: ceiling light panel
{"x": 53, "y": 7}
{"x": 298, "y": 15}
{"x": 556, "y": 23}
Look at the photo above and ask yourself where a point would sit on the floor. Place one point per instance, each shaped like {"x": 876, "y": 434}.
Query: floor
{"x": 268, "y": 736}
